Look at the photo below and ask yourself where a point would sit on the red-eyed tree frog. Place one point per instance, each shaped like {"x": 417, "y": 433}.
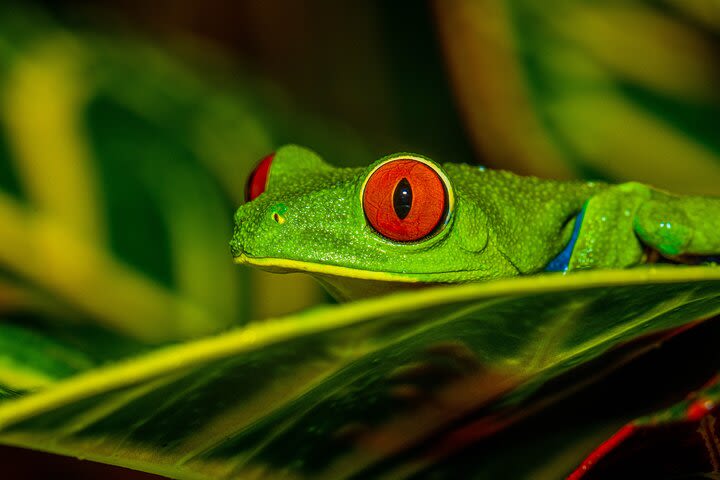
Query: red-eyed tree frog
{"x": 407, "y": 220}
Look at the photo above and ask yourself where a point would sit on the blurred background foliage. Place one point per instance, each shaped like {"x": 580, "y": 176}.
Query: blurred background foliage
{"x": 129, "y": 128}
{"x": 608, "y": 89}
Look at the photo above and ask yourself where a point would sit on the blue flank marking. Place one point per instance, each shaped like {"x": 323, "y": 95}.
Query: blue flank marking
{"x": 560, "y": 263}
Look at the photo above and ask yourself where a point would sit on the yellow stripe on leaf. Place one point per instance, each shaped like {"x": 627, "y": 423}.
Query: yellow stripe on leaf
{"x": 608, "y": 140}
{"x": 43, "y": 105}
{"x": 15, "y": 376}
{"x": 640, "y": 44}
{"x": 47, "y": 252}
{"x": 492, "y": 88}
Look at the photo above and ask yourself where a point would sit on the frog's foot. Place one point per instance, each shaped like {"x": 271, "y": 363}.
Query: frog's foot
{"x": 606, "y": 237}
{"x": 620, "y": 223}
{"x": 684, "y": 229}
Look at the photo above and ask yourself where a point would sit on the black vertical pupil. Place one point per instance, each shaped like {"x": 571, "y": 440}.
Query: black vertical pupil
{"x": 402, "y": 199}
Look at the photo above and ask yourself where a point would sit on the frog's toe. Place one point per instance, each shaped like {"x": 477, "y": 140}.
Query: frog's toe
{"x": 663, "y": 227}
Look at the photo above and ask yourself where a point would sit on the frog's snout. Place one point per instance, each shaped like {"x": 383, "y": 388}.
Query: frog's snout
{"x": 254, "y": 224}
{"x": 236, "y": 247}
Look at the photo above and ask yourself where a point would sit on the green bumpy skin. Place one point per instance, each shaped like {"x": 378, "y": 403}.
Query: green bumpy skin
{"x": 310, "y": 218}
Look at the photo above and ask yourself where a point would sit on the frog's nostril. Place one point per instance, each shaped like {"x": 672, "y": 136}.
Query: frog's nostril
{"x": 278, "y": 218}
{"x": 277, "y": 213}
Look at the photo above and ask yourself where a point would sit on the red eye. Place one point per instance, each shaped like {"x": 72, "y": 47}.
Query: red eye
{"x": 257, "y": 182}
{"x": 405, "y": 200}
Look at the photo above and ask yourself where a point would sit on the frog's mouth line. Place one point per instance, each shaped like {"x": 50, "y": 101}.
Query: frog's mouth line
{"x": 284, "y": 265}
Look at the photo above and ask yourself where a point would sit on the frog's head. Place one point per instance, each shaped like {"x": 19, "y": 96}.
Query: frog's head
{"x": 399, "y": 222}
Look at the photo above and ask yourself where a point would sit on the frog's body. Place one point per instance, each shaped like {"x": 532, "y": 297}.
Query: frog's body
{"x": 312, "y": 217}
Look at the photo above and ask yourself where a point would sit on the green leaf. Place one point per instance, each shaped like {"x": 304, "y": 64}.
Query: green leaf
{"x": 361, "y": 388}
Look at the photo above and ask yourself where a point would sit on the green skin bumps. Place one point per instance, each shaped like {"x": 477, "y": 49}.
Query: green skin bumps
{"x": 311, "y": 218}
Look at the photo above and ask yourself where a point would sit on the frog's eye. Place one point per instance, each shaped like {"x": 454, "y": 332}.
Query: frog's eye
{"x": 257, "y": 181}
{"x": 405, "y": 200}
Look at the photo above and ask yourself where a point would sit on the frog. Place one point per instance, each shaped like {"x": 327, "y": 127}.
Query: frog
{"x": 407, "y": 221}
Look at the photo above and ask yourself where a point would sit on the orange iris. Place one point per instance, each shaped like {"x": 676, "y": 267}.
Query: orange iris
{"x": 405, "y": 200}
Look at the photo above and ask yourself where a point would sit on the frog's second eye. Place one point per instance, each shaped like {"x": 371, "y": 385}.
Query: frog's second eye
{"x": 257, "y": 181}
{"x": 405, "y": 200}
